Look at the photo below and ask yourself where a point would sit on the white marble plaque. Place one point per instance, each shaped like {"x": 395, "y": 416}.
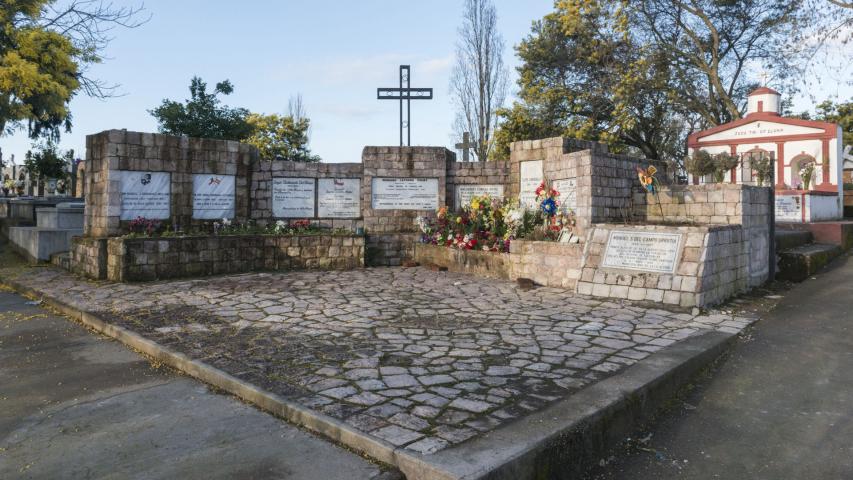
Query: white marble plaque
{"x": 464, "y": 193}
{"x": 531, "y": 177}
{"x": 213, "y": 196}
{"x": 145, "y": 194}
{"x": 293, "y": 197}
{"x": 339, "y": 197}
{"x": 568, "y": 194}
{"x": 789, "y": 208}
{"x": 644, "y": 251}
{"x": 404, "y": 194}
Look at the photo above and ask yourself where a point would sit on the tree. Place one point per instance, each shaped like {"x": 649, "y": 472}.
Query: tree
{"x": 840, "y": 113}
{"x": 711, "y": 46}
{"x": 45, "y": 52}
{"x": 202, "y": 115}
{"x": 586, "y": 74}
{"x": 48, "y": 161}
{"x": 282, "y": 137}
{"x": 479, "y": 79}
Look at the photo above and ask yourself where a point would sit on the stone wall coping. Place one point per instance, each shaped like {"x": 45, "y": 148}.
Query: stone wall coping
{"x": 669, "y": 228}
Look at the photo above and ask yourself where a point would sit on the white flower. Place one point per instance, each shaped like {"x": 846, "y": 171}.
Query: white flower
{"x": 280, "y": 224}
{"x": 226, "y": 222}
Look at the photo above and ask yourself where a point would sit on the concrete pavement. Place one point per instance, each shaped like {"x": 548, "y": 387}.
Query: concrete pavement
{"x": 778, "y": 408}
{"x": 77, "y": 405}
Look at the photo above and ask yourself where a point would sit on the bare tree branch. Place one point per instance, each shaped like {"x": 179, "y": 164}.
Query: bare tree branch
{"x": 479, "y": 81}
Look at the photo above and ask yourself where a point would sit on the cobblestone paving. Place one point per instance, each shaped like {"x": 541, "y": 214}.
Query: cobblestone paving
{"x": 421, "y": 359}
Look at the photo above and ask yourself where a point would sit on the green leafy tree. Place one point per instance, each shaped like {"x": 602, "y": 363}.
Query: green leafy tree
{"x": 48, "y": 162}
{"x": 586, "y": 74}
{"x": 203, "y": 115}
{"x": 45, "y": 50}
{"x": 840, "y": 113}
{"x": 281, "y": 137}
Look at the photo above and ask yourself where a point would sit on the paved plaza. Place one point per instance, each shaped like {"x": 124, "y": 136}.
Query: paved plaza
{"x": 419, "y": 358}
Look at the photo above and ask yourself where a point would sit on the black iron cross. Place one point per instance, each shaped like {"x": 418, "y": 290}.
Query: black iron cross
{"x": 405, "y": 92}
{"x": 465, "y": 146}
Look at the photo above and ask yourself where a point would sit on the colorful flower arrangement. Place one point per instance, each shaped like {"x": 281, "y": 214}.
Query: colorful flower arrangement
{"x": 547, "y": 198}
{"x": 144, "y": 226}
{"x": 491, "y": 224}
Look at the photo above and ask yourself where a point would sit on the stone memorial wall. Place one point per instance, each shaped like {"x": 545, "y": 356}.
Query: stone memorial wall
{"x": 465, "y": 180}
{"x": 593, "y": 182}
{"x": 716, "y": 204}
{"x": 686, "y": 266}
{"x": 399, "y": 184}
{"x": 328, "y": 194}
{"x": 133, "y": 174}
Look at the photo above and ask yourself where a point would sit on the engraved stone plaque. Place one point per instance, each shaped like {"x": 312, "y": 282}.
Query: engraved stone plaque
{"x": 464, "y": 193}
{"x": 531, "y": 177}
{"x": 645, "y": 251}
{"x": 789, "y": 208}
{"x": 145, "y": 194}
{"x": 404, "y": 194}
{"x": 213, "y": 196}
{"x": 293, "y": 197}
{"x": 339, "y": 197}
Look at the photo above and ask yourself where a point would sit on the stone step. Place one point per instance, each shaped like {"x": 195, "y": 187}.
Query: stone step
{"x": 788, "y": 239}
{"x": 799, "y": 263}
{"x": 61, "y": 260}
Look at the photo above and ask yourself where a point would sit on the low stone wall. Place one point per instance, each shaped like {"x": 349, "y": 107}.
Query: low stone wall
{"x": 89, "y": 257}
{"x": 546, "y": 263}
{"x": 475, "y": 262}
{"x": 711, "y": 266}
{"x": 717, "y": 204}
{"x": 144, "y": 259}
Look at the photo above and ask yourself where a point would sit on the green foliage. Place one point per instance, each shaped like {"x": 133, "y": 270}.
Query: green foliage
{"x": 700, "y": 164}
{"x": 585, "y": 74}
{"x": 281, "y": 137}
{"x": 48, "y": 162}
{"x": 202, "y": 115}
{"x": 46, "y": 47}
{"x": 39, "y": 71}
{"x": 840, "y": 113}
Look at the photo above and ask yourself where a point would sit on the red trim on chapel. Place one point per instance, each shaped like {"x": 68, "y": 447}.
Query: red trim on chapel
{"x": 829, "y": 131}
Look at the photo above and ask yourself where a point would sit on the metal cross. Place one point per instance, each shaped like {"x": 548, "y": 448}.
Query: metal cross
{"x": 405, "y": 92}
{"x": 764, "y": 76}
{"x": 465, "y": 146}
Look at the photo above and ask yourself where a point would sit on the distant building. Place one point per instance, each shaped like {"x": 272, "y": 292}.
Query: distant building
{"x": 791, "y": 143}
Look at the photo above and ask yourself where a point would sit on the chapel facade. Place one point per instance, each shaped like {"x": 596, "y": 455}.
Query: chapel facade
{"x": 791, "y": 143}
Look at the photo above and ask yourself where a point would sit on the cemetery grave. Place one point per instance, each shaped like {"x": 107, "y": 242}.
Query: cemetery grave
{"x": 411, "y": 362}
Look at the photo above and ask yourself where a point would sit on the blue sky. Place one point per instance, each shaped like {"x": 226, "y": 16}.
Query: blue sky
{"x": 334, "y": 53}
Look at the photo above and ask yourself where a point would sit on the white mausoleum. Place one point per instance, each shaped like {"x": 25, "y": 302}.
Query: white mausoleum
{"x": 791, "y": 143}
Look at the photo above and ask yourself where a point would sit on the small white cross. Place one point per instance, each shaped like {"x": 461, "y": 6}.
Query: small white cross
{"x": 764, "y": 76}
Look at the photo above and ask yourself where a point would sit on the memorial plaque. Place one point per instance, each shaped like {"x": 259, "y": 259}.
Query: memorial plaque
{"x": 339, "y": 197}
{"x": 293, "y": 197}
{"x": 213, "y": 196}
{"x": 568, "y": 194}
{"x": 644, "y": 251}
{"x": 144, "y": 194}
{"x": 789, "y": 208}
{"x": 531, "y": 177}
{"x": 404, "y": 194}
{"x": 464, "y": 193}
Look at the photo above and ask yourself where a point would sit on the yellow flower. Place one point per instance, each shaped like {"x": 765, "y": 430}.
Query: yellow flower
{"x": 458, "y": 219}
{"x": 475, "y": 204}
